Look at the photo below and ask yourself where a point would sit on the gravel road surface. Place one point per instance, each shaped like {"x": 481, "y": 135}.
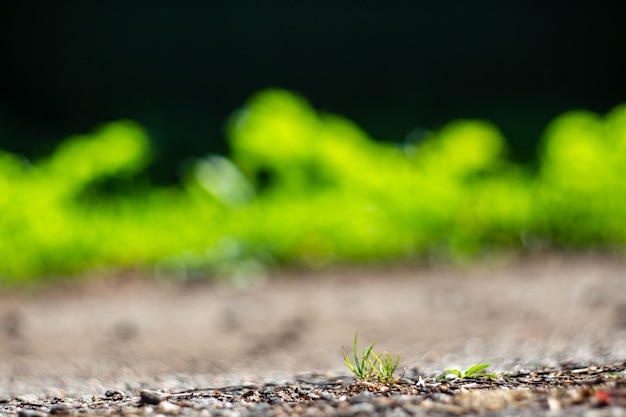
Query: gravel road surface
{"x": 553, "y": 328}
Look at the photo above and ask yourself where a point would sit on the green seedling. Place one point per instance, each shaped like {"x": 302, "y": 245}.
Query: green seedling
{"x": 366, "y": 369}
{"x": 472, "y": 372}
{"x": 360, "y": 367}
{"x": 385, "y": 370}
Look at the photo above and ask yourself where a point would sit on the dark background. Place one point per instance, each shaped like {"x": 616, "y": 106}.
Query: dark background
{"x": 180, "y": 68}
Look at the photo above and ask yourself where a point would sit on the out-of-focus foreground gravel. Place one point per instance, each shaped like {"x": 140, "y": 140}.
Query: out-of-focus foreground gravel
{"x": 553, "y": 328}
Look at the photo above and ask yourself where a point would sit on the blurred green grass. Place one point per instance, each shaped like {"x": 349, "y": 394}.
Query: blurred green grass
{"x": 304, "y": 187}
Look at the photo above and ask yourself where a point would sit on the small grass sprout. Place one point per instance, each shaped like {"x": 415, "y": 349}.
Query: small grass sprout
{"x": 360, "y": 367}
{"x": 471, "y": 372}
{"x": 385, "y": 370}
{"x": 381, "y": 367}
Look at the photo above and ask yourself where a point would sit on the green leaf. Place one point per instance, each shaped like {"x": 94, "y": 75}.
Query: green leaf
{"x": 475, "y": 369}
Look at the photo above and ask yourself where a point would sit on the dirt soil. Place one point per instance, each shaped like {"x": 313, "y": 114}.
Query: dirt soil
{"x": 118, "y": 336}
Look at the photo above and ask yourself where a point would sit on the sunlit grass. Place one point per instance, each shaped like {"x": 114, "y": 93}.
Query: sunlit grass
{"x": 366, "y": 369}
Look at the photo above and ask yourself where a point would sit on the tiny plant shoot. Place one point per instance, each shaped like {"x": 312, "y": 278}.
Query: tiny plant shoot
{"x": 472, "y": 372}
{"x": 380, "y": 368}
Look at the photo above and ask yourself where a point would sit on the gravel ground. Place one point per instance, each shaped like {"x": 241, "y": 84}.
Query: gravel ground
{"x": 589, "y": 391}
{"x": 553, "y": 328}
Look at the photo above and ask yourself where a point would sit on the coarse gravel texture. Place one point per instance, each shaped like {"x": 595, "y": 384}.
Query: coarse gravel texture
{"x": 589, "y": 391}
{"x": 552, "y": 326}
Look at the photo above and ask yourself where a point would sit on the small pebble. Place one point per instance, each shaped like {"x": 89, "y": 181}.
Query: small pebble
{"x": 361, "y": 397}
{"x": 60, "y": 409}
{"x": 31, "y": 399}
{"x": 167, "y": 407}
{"x": 31, "y": 413}
{"x": 114, "y": 394}
{"x": 328, "y": 397}
{"x": 367, "y": 408}
{"x": 151, "y": 397}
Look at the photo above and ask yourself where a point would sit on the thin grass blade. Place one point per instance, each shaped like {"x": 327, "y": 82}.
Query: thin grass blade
{"x": 366, "y": 356}
{"x": 347, "y": 359}
{"x": 454, "y": 372}
{"x": 475, "y": 369}
{"x": 356, "y": 357}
